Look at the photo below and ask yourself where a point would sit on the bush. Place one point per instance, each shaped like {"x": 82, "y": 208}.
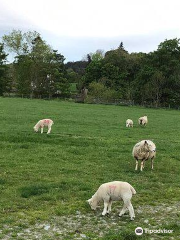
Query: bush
{"x": 99, "y": 92}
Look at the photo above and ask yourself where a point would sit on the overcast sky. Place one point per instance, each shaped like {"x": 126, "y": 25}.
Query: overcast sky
{"x": 78, "y": 27}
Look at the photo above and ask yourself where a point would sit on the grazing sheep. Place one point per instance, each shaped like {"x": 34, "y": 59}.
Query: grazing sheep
{"x": 114, "y": 191}
{"x": 143, "y": 151}
{"x": 44, "y": 123}
{"x": 129, "y": 123}
{"x": 143, "y": 120}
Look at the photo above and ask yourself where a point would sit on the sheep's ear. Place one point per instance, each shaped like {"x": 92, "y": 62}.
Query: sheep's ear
{"x": 145, "y": 143}
{"x": 89, "y": 200}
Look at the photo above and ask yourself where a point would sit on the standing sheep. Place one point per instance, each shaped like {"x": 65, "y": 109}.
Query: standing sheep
{"x": 114, "y": 191}
{"x": 44, "y": 123}
{"x": 143, "y": 120}
{"x": 129, "y": 123}
{"x": 143, "y": 151}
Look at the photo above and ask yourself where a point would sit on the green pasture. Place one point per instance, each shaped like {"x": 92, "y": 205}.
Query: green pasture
{"x": 45, "y": 176}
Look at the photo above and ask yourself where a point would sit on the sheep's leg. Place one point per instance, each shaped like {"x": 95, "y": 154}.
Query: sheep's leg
{"x": 42, "y": 130}
{"x": 152, "y": 160}
{"x": 128, "y": 205}
{"x": 131, "y": 211}
{"x": 109, "y": 206}
{"x": 123, "y": 210}
{"x": 142, "y": 164}
{"x": 105, "y": 208}
{"x": 136, "y": 168}
{"x": 49, "y": 130}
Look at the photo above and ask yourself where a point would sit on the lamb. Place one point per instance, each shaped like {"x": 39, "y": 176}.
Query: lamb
{"x": 143, "y": 151}
{"x": 44, "y": 123}
{"x": 129, "y": 123}
{"x": 114, "y": 191}
{"x": 143, "y": 120}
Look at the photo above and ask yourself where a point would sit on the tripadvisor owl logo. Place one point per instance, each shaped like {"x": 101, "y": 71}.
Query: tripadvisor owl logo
{"x": 138, "y": 231}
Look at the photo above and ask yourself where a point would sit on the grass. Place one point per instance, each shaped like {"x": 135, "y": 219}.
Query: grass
{"x": 42, "y": 176}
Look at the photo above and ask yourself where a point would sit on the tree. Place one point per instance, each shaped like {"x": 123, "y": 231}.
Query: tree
{"x": 78, "y": 67}
{"x": 39, "y": 56}
{"x": 39, "y": 69}
{"x": 94, "y": 68}
{"x": 3, "y": 70}
{"x": 121, "y": 46}
{"x": 89, "y": 58}
{"x": 58, "y": 83}
{"x": 20, "y": 43}
{"x": 157, "y": 82}
{"x": 93, "y": 72}
{"x": 23, "y": 66}
{"x": 97, "y": 56}
{"x": 167, "y": 60}
{"x": 112, "y": 74}
{"x": 72, "y": 76}
{"x": 118, "y": 60}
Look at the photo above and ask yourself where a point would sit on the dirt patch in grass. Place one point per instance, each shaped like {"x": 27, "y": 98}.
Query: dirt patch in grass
{"x": 95, "y": 226}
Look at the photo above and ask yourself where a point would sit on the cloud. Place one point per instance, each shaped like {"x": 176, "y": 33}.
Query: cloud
{"x": 75, "y": 48}
{"x": 78, "y": 27}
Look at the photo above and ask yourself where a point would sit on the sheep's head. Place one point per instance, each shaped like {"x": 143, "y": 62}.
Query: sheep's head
{"x": 152, "y": 148}
{"x": 149, "y": 147}
{"x": 92, "y": 203}
{"x": 145, "y": 147}
{"x": 35, "y": 129}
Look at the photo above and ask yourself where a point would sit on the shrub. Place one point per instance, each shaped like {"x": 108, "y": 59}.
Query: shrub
{"x": 99, "y": 92}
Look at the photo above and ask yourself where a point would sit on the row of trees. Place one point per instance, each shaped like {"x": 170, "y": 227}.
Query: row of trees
{"x": 151, "y": 78}
{"x": 37, "y": 69}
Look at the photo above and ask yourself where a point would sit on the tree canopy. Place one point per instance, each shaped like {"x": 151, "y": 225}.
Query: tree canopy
{"x": 38, "y": 69}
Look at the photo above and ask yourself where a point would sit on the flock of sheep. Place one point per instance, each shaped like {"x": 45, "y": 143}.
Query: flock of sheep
{"x": 117, "y": 190}
{"x": 145, "y": 149}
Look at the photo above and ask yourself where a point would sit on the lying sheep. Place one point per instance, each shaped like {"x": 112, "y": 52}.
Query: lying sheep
{"x": 143, "y": 120}
{"x": 44, "y": 123}
{"x": 129, "y": 123}
{"x": 143, "y": 151}
{"x": 114, "y": 191}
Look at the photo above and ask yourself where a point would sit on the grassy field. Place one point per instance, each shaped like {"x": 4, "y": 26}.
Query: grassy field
{"x": 45, "y": 180}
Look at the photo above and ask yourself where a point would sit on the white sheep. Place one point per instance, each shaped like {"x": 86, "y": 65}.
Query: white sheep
{"x": 129, "y": 123}
{"x": 114, "y": 191}
{"x": 44, "y": 123}
{"x": 143, "y": 120}
{"x": 143, "y": 151}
